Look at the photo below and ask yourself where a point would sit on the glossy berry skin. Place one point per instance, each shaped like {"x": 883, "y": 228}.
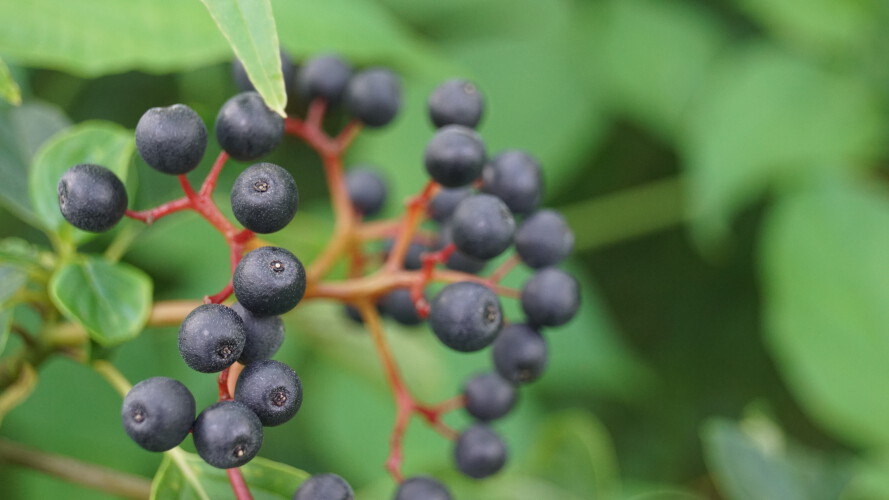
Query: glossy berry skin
{"x": 455, "y": 156}
{"x": 374, "y": 96}
{"x": 466, "y": 316}
{"x": 227, "y": 434}
{"x": 551, "y": 297}
{"x": 157, "y": 413}
{"x": 514, "y": 176}
{"x": 489, "y": 396}
{"x": 242, "y": 81}
{"x": 458, "y": 261}
{"x": 482, "y": 226}
{"x": 264, "y": 335}
{"x": 456, "y": 102}
{"x": 519, "y": 353}
{"x": 399, "y": 305}
{"x": 445, "y": 201}
{"x": 544, "y": 239}
{"x": 324, "y": 76}
{"x": 422, "y": 488}
{"x": 366, "y": 190}
{"x": 264, "y": 198}
{"x": 91, "y": 197}
{"x": 479, "y": 452}
{"x": 271, "y": 389}
{"x": 324, "y": 487}
{"x": 247, "y": 129}
{"x": 269, "y": 281}
{"x": 171, "y": 140}
{"x": 211, "y": 338}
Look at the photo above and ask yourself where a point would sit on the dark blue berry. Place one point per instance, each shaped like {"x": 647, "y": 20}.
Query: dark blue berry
{"x": 455, "y": 156}
{"x": 157, "y": 413}
{"x": 325, "y": 76}
{"x": 271, "y": 389}
{"x": 458, "y": 261}
{"x": 246, "y": 128}
{"x": 91, "y": 197}
{"x": 466, "y": 316}
{"x": 519, "y": 353}
{"x": 489, "y": 396}
{"x": 479, "y": 452}
{"x": 171, "y": 140}
{"x": 413, "y": 258}
{"x": 269, "y": 281}
{"x": 227, "y": 434}
{"x": 265, "y": 335}
{"x": 544, "y": 239}
{"x": 288, "y": 70}
{"x": 374, "y": 96}
{"x": 456, "y": 102}
{"x": 422, "y": 488}
{"x": 482, "y": 226}
{"x": 324, "y": 487}
{"x": 445, "y": 201}
{"x": 211, "y": 338}
{"x": 400, "y": 306}
{"x": 264, "y": 198}
{"x": 514, "y": 177}
{"x": 366, "y": 189}
{"x": 551, "y": 297}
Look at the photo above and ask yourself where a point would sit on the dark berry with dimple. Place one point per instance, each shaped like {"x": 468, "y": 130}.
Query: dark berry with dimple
{"x": 271, "y": 389}
{"x": 246, "y": 128}
{"x": 519, "y": 353}
{"x": 514, "y": 176}
{"x": 264, "y": 198}
{"x": 456, "y": 102}
{"x": 455, "y": 156}
{"x": 288, "y": 70}
{"x": 227, "y": 434}
{"x": 269, "y": 281}
{"x": 157, "y": 413}
{"x": 551, "y": 297}
{"x": 445, "y": 201}
{"x": 544, "y": 239}
{"x": 265, "y": 334}
{"x": 480, "y": 452}
{"x": 91, "y": 197}
{"x": 466, "y": 316}
{"x": 373, "y": 96}
{"x": 482, "y": 226}
{"x": 366, "y": 189}
{"x": 211, "y": 338}
{"x": 325, "y": 76}
{"x": 422, "y": 488}
{"x": 400, "y": 306}
{"x": 489, "y": 396}
{"x": 324, "y": 487}
{"x": 171, "y": 140}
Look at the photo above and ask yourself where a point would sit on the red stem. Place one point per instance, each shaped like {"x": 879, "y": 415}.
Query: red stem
{"x": 210, "y": 182}
{"x": 239, "y": 486}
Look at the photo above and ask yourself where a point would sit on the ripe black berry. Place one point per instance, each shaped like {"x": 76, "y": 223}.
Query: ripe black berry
{"x": 288, "y": 69}
{"x": 374, "y": 96}
{"x": 479, "y": 452}
{"x": 366, "y": 189}
{"x": 171, "y": 140}
{"x": 422, "y": 488}
{"x": 456, "y": 102}
{"x": 458, "y": 261}
{"x": 264, "y": 198}
{"x": 489, "y": 396}
{"x": 544, "y": 239}
{"x": 91, "y": 197}
{"x": 325, "y": 76}
{"x": 399, "y": 305}
{"x": 455, "y": 156}
{"x": 519, "y": 353}
{"x": 227, "y": 434}
{"x": 246, "y": 128}
{"x": 514, "y": 177}
{"x": 264, "y": 335}
{"x": 157, "y": 413}
{"x": 211, "y": 338}
{"x": 466, "y": 316}
{"x": 445, "y": 201}
{"x": 482, "y": 226}
{"x": 269, "y": 281}
{"x": 271, "y": 389}
{"x": 324, "y": 487}
{"x": 551, "y": 297}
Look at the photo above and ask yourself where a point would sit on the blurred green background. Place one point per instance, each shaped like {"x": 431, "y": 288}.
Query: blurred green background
{"x": 722, "y": 163}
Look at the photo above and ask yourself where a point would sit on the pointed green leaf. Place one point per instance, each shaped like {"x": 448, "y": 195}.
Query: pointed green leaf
{"x": 9, "y": 90}
{"x": 102, "y": 143}
{"x": 249, "y": 27}
{"x": 112, "y": 301}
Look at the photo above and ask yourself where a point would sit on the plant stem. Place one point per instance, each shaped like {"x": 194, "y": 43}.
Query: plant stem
{"x": 113, "y": 376}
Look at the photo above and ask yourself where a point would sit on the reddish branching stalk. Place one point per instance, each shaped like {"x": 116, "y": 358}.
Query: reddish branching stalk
{"x": 239, "y": 486}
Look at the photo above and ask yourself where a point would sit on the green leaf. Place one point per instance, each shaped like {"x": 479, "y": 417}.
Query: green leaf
{"x": 184, "y": 476}
{"x": 249, "y": 27}
{"x": 12, "y": 279}
{"x": 22, "y": 130}
{"x": 19, "y": 390}
{"x": 6, "y": 316}
{"x": 112, "y": 301}
{"x": 824, "y": 255}
{"x": 98, "y": 142}
{"x": 769, "y": 119}
{"x": 9, "y": 90}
